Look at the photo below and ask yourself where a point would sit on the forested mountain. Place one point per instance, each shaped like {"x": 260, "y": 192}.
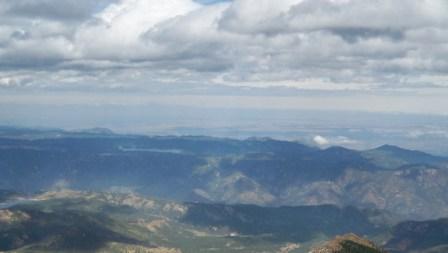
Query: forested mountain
{"x": 253, "y": 171}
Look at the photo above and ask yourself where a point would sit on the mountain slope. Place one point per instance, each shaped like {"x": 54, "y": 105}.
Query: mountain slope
{"x": 349, "y": 243}
{"x": 297, "y": 224}
{"x": 72, "y": 221}
{"x": 419, "y": 236}
{"x": 253, "y": 171}
{"x": 389, "y": 156}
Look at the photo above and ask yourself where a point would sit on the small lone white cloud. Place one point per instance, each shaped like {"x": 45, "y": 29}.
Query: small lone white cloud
{"x": 320, "y": 140}
{"x": 334, "y": 141}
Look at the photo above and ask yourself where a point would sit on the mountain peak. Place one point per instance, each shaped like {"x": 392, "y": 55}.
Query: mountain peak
{"x": 388, "y": 146}
{"x": 348, "y": 243}
{"x": 392, "y": 157}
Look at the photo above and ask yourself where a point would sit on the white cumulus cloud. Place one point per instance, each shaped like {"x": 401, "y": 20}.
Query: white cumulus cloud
{"x": 321, "y": 45}
{"x": 320, "y": 140}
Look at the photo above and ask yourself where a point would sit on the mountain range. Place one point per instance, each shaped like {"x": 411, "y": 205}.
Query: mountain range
{"x": 260, "y": 171}
{"x": 81, "y": 221}
{"x": 98, "y": 191}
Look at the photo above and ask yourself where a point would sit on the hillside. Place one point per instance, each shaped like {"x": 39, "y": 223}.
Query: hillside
{"x": 72, "y": 221}
{"x": 254, "y": 171}
{"x": 420, "y": 236}
{"x": 388, "y": 156}
{"x": 76, "y": 221}
{"x": 349, "y": 243}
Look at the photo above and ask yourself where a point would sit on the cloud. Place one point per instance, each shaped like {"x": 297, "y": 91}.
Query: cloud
{"x": 116, "y": 33}
{"x": 256, "y": 16}
{"x": 334, "y": 141}
{"x": 431, "y": 132}
{"x": 321, "y": 45}
{"x": 321, "y": 141}
{"x": 14, "y": 81}
{"x": 67, "y": 10}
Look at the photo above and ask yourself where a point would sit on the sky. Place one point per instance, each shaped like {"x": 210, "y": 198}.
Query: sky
{"x": 378, "y": 56}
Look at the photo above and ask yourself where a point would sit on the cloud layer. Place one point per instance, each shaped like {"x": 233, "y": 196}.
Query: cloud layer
{"x": 324, "y": 45}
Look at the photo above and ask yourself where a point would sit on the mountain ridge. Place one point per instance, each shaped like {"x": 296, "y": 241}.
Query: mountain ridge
{"x": 253, "y": 171}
